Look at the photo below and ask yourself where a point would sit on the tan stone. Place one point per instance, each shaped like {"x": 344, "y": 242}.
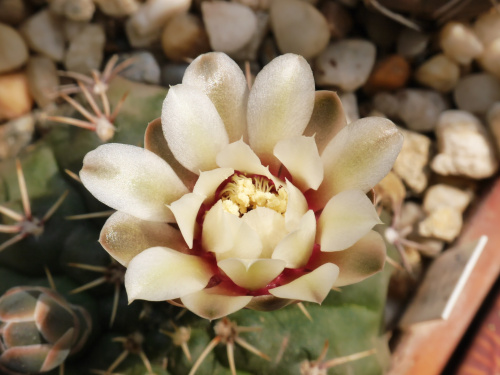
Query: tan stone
{"x": 412, "y": 162}
{"x": 15, "y": 98}
{"x": 13, "y": 49}
{"x": 459, "y": 42}
{"x": 43, "y": 32}
{"x": 184, "y": 37}
{"x": 442, "y": 195}
{"x": 443, "y": 223}
{"x": 86, "y": 50}
{"x": 43, "y": 80}
{"x": 15, "y": 135}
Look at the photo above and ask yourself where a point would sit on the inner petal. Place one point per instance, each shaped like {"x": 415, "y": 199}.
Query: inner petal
{"x": 252, "y": 274}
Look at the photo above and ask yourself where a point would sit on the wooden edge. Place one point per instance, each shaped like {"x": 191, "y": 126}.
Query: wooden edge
{"x": 425, "y": 348}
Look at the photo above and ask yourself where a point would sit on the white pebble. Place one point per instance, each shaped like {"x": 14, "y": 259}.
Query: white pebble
{"x": 442, "y": 195}
{"x": 439, "y": 72}
{"x": 477, "y": 92}
{"x": 463, "y": 147}
{"x": 459, "y": 42}
{"x": 299, "y": 28}
{"x": 345, "y": 64}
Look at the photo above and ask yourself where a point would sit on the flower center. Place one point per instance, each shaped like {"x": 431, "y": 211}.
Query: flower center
{"x": 241, "y": 193}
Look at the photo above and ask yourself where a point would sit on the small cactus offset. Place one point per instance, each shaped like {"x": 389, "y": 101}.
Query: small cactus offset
{"x": 39, "y": 329}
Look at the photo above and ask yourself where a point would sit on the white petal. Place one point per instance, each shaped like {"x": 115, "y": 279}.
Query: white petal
{"x": 280, "y": 104}
{"x": 210, "y": 305}
{"x": 252, "y": 274}
{"x": 363, "y": 259}
{"x": 359, "y": 156}
{"x": 133, "y": 180}
{"x": 209, "y": 181}
{"x": 219, "y": 229}
{"x": 327, "y": 119}
{"x": 124, "y": 236}
{"x": 300, "y": 156}
{"x": 185, "y": 211}
{"x": 312, "y": 287}
{"x": 160, "y": 273}
{"x": 347, "y": 217}
{"x": 155, "y": 141}
{"x": 238, "y": 155}
{"x": 194, "y": 130}
{"x": 296, "y": 207}
{"x": 247, "y": 244}
{"x": 222, "y": 80}
{"x": 296, "y": 248}
{"x": 270, "y": 227}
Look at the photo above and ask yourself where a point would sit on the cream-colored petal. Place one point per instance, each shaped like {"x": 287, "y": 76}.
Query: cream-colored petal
{"x": 133, "y": 180}
{"x": 219, "y": 229}
{"x": 247, "y": 244}
{"x": 124, "y": 236}
{"x": 270, "y": 227}
{"x": 193, "y": 128}
{"x": 155, "y": 141}
{"x": 311, "y": 287}
{"x": 209, "y": 181}
{"x": 300, "y": 156}
{"x": 363, "y": 259}
{"x": 223, "y": 81}
{"x": 280, "y": 104}
{"x": 347, "y": 217}
{"x": 252, "y": 274}
{"x": 239, "y": 156}
{"x": 359, "y": 156}
{"x": 296, "y": 248}
{"x": 296, "y": 207}
{"x": 327, "y": 119}
{"x": 209, "y": 305}
{"x": 185, "y": 211}
{"x": 160, "y": 273}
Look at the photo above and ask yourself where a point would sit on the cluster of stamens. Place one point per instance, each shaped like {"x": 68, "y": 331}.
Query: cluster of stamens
{"x": 240, "y": 194}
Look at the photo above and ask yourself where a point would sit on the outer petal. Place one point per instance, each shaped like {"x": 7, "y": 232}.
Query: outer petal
{"x": 185, "y": 211}
{"x": 238, "y": 155}
{"x": 312, "y": 287}
{"x": 222, "y": 80}
{"x": 327, "y": 119}
{"x": 347, "y": 217}
{"x": 358, "y": 157}
{"x": 133, "y": 180}
{"x": 296, "y": 207}
{"x": 194, "y": 130}
{"x": 252, "y": 274}
{"x": 209, "y": 305}
{"x": 160, "y": 273}
{"x": 296, "y": 247}
{"x": 363, "y": 259}
{"x": 280, "y": 104}
{"x": 155, "y": 141}
{"x": 300, "y": 156}
{"x": 269, "y": 225}
{"x": 209, "y": 181}
{"x": 124, "y": 236}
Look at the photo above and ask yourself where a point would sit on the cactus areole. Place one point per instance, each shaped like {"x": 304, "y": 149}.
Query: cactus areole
{"x": 243, "y": 197}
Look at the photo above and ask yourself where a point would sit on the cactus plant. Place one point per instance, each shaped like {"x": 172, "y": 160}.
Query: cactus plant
{"x": 349, "y": 320}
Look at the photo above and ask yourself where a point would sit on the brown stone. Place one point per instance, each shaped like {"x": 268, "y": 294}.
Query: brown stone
{"x": 390, "y": 73}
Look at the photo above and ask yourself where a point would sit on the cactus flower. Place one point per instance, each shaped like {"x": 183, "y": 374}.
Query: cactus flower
{"x": 244, "y": 198}
{"x": 38, "y": 330}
